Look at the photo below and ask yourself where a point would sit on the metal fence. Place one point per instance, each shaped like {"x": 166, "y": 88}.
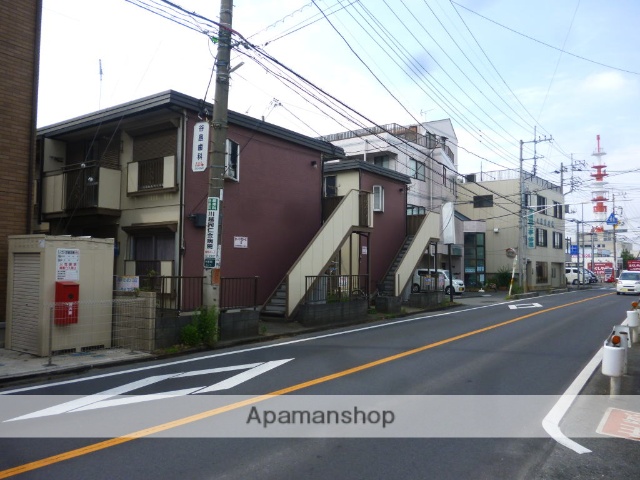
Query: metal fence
{"x": 182, "y": 294}
{"x": 336, "y": 288}
{"x": 85, "y": 326}
{"x": 238, "y": 292}
{"x": 431, "y": 283}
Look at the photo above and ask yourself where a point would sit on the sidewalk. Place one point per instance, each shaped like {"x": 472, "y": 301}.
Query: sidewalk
{"x": 17, "y": 366}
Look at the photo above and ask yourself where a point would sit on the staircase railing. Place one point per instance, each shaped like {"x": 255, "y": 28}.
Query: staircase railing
{"x": 428, "y": 232}
{"x": 355, "y": 210}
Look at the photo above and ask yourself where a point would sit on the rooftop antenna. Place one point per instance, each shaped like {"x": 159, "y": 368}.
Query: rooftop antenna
{"x": 100, "y": 94}
{"x": 424, "y": 113}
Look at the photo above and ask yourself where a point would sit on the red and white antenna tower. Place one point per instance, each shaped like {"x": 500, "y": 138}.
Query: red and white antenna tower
{"x": 599, "y": 193}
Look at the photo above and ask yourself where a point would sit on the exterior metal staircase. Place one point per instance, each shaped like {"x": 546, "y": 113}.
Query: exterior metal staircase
{"x": 276, "y": 306}
{"x": 387, "y": 286}
{"x": 353, "y": 213}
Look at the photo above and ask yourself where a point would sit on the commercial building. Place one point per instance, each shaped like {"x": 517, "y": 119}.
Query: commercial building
{"x": 523, "y": 215}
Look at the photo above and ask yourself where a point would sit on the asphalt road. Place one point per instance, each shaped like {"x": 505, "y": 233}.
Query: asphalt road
{"x": 454, "y": 382}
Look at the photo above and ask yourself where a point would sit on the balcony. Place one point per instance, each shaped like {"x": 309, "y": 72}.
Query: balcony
{"x": 79, "y": 190}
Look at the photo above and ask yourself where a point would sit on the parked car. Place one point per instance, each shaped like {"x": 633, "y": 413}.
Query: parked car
{"x": 440, "y": 279}
{"x": 628, "y": 282}
{"x": 592, "y": 277}
{"x": 574, "y": 275}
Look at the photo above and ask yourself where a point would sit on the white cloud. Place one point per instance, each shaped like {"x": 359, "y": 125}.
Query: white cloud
{"x": 604, "y": 82}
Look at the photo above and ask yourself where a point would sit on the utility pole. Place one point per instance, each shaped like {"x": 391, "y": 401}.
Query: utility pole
{"x": 581, "y": 248}
{"x": 615, "y": 254}
{"x": 526, "y": 224}
{"x": 216, "y": 164}
{"x": 578, "y": 243}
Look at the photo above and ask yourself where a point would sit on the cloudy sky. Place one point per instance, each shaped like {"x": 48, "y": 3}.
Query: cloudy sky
{"x": 499, "y": 69}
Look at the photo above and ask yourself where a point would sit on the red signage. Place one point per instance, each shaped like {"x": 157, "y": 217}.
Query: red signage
{"x": 633, "y": 265}
{"x": 620, "y": 423}
{"x": 599, "y": 267}
{"x": 604, "y": 271}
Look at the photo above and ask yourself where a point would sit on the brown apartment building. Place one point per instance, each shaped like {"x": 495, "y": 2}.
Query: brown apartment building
{"x": 19, "y": 63}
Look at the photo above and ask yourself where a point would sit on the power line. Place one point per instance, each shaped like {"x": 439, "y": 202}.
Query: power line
{"x": 543, "y": 43}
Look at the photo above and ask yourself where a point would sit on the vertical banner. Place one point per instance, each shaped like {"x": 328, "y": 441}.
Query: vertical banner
{"x": 448, "y": 224}
{"x": 199, "y": 152}
{"x": 531, "y": 229}
{"x": 211, "y": 250}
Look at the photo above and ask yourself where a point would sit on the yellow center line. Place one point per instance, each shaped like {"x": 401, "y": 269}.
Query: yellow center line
{"x": 260, "y": 398}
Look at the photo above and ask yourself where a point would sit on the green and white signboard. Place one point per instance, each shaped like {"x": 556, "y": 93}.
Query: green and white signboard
{"x": 531, "y": 229}
{"x": 211, "y": 250}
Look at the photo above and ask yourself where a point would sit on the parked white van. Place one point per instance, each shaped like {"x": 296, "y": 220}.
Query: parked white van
{"x": 425, "y": 278}
{"x": 574, "y": 275}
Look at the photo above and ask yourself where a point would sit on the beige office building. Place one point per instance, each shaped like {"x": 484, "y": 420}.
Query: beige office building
{"x": 531, "y": 224}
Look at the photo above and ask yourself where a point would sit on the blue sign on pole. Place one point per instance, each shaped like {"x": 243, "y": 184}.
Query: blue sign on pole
{"x": 612, "y": 220}
{"x": 574, "y": 250}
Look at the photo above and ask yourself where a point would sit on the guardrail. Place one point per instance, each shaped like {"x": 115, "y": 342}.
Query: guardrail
{"x": 615, "y": 350}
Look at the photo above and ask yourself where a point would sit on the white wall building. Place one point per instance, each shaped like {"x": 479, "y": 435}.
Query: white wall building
{"x": 424, "y": 152}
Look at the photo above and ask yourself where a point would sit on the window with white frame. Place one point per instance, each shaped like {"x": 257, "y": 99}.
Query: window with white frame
{"x": 330, "y": 186}
{"x": 557, "y": 240}
{"x": 232, "y": 161}
{"x": 378, "y": 198}
{"x": 416, "y": 210}
{"x": 416, "y": 169}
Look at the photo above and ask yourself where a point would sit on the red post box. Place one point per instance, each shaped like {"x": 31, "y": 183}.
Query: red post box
{"x": 67, "y": 297}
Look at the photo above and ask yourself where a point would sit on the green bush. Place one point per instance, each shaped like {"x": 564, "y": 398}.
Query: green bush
{"x": 189, "y": 335}
{"x": 203, "y": 329}
{"x": 503, "y": 276}
{"x": 206, "y": 320}
{"x": 516, "y": 289}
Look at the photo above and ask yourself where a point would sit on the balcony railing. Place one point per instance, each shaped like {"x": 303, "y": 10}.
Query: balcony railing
{"x": 408, "y": 133}
{"x": 81, "y": 187}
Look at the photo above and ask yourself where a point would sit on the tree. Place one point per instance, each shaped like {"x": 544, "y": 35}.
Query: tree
{"x": 626, "y": 255}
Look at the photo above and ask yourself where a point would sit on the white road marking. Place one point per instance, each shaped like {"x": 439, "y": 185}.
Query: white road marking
{"x": 244, "y": 376}
{"x": 84, "y": 401}
{"x": 551, "y": 423}
{"x": 253, "y": 349}
{"x": 525, "y": 305}
{"x": 105, "y": 399}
